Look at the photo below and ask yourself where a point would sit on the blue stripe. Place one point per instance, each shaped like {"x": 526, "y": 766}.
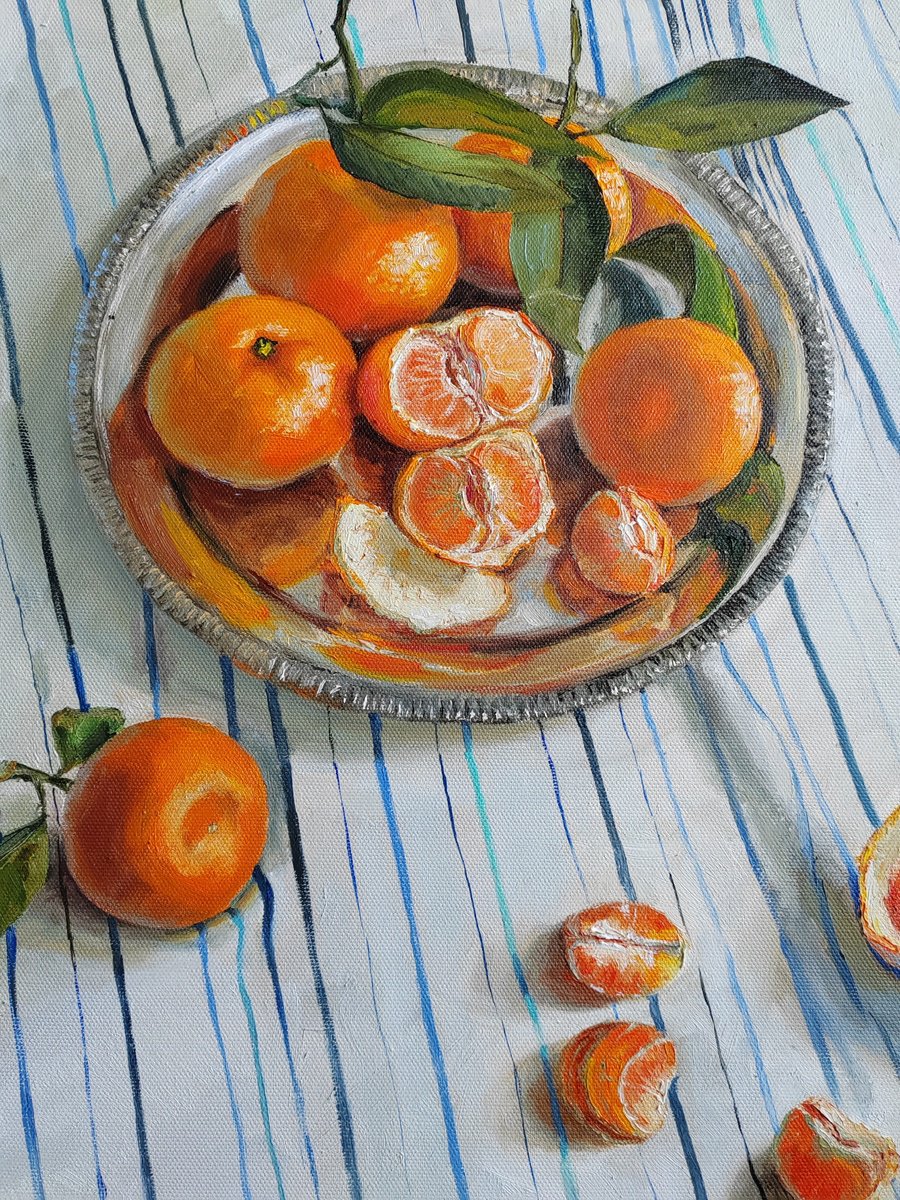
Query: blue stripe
{"x": 226, "y": 669}
{"x": 834, "y": 708}
{"x": 674, "y": 31}
{"x": 194, "y": 55}
{"x": 880, "y": 65}
{"x": 301, "y": 874}
{"x": 253, "y": 1032}
{"x": 866, "y": 566}
{"x": 126, "y": 83}
{"x": 140, "y": 1124}
{"x": 594, "y": 45}
{"x": 465, "y": 28}
{"x": 517, "y": 1080}
{"x": 313, "y": 30}
{"x": 55, "y": 156}
{"x": 88, "y": 99}
{"x": 681, "y": 1125}
{"x": 554, "y": 779}
{"x": 25, "y": 1098}
{"x": 536, "y": 35}
{"x": 737, "y": 28}
{"x": 664, "y": 38}
{"x": 203, "y": 948}
{"x": 570, "y": 1185}
{"x": 160, "y": 70}
{"x": 632, "y": 49}
{"x": 256, "y": 48}
{"x": 505, "y": 31}
{"x": 351, "y": 863}
{"x": 151, "y": 654}
{"x": 788, "y": 948}
{"x": 428, "y": 1021}
{"x": 736, "y": 990}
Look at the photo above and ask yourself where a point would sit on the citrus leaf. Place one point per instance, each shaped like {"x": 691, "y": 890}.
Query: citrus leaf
{"x": 24, "y": 862}
{"x": 695, "y": 269}
{"x": 77, "y": 735}
{"x": 428, "y": 98}
{"x": 423, "y": 170}
{"x": 723, "y": 103}
{"x": 754, "y": 499}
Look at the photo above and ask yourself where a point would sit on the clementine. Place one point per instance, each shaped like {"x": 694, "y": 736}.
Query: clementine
{"x": 622, "y": 544}
{"x": 623, "y": 949}
{"x": 254, "y": 391}
{"x": 652, "y": 207}
{"x": 671, "y": 408}
{"x": 165, "y": 823}
{"x": 368, "y": 259}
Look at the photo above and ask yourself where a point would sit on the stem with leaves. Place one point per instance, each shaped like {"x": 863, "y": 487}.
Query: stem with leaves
{"x": 347, "y": 56}
{"x": 571, "y": 101}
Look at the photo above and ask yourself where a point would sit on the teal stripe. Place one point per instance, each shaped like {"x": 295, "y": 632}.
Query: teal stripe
{"x": 568, "y": 1175}
{"x": 89, "y": 101}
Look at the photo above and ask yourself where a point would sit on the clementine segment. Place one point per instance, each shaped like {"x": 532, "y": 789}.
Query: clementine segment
{"x": 253, "y": 391}
{"x": 616, "y": 1078}
{"x": 623, "y": 949}
{"x": 671, "y": 408}
{"x": 433, "y": 385}
{"x": 165, "y": 823}
{"x": 368, "y": 259}
{"x": 478, "y": 504}
{"x": 484, "y": 237}
{"x": 621, "y": 543}
{"x": 821, "y": 1154}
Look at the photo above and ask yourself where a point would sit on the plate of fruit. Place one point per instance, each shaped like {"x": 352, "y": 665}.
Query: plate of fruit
{"x": 453, "y": 392}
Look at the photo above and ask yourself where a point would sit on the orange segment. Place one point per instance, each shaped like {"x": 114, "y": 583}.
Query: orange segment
{"x": 433, "y": 385}
{"x": 478, "y": 504}
{"x": 821, "y": 1153}
{"x": 623, "y": 949}
{"x": 621, "y": 543}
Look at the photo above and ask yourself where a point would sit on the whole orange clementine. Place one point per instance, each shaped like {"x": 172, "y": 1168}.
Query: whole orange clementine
{"x": 671, "y": 408}
{"x": 165, "y": 823}
{"x": 253, "y": 390}
{"x": 484, "y": 237}
{"x": 368, "y": 259}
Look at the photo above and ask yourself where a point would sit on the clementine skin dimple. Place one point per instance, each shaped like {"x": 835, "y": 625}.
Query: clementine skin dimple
{"x": 621, "y": 543}
{"x": 433, "y": 385}
{"x": 253, "y": 391}
{"x": 616, "y": 1077}
{"x": 165, "y": 823}
{"x": 368, "y": 259}
{"x": 623, "y": 949}
{"x": 822, "y": 1154}
{"x": 669, "y": 407}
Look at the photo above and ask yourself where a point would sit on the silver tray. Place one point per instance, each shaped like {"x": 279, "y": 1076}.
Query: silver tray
{"x": 598, "y": 662}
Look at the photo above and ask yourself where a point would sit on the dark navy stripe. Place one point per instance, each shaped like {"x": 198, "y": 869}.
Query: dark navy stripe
{"x": 517, "y": 1079}
{"x": 681, "y": 1125}
{"x": 25, "y": 1098}
{"x": 557, "y": 796}
{"x": 834, "y": 708}
{"x": 236, "y": 1120}
{"x": 160, "y": 70}
{"x": 256, "y": 48}
{"x": 194, "y": 55}
{"x": 428, "y": 1021}
{"x": 465, "y": 28}
{"x": 674, "y": 31}
{"x": 126, "y": 83}
{"x": 856, "y": 541}
{"x": 55, "y": 156}
{"x": 140, "y": 1124}
{"x": 301, "y": 874}
{"x": 788, "y": 948}
{"x": 56, "y": 593}
{"x": 151, "y": 654}
{"x": 312, "y": 28}
{"x": 351, "y": 863}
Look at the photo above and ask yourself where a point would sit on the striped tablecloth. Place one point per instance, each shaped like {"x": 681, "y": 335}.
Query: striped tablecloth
{"x": 381, "y": 1020}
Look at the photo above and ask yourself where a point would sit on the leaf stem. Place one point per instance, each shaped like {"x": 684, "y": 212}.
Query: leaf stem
{"x": 15, "y": 770}
{"x": 347, "y": 56}
{"x": 571, "y": 99}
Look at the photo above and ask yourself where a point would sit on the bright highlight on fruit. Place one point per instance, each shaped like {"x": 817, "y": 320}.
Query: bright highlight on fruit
{"x": 165, "y": 823}
{"x": 621, "y": 543}
{"x": 478, "y": 504}
{"x": 253, "y": 391}
{"x": 404, "y": 583}
{"x": 623, "y": 949}
{"x": 616, "y": 1077}
{"x": 368, "y": 259}
{"x": 879, "y": 891}
{"x": 433, "y": 385}
{"x": 671, "y": 408}
{"x": 821, "y": 1154}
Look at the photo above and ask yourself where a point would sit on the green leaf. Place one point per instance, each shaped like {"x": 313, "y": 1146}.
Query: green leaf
{"x": 557, "y": 254}
{"x": 423, "y": 170}
{"x": 24, "y": 862}
{"x": 428, "y": 98}
{"x": 754, "y": 499}
{"x": 695, "y": 269}
{"x": 723, "y": 103}
{"x": 77, "y": 735}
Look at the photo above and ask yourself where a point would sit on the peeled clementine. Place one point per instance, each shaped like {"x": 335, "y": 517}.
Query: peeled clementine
{"x": 621, "y": 543}
{"x": 165, "y": 823}
{"x": 368, "y": 259}
{"x": 671, "y": 408}
{"x": 822, "y": 1153}
{"x": 253, "y": 391}
{"x": 623, "y": 949}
